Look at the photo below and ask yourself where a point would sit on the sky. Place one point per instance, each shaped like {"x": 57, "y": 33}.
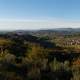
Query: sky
{"x": 39, "y": 14}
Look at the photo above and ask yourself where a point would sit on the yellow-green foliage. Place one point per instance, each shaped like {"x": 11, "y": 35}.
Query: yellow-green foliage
{"x": 35, "y": 65}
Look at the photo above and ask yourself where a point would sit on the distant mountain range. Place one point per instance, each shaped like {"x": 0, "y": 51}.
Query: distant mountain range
{"x": 45, "y": 31}
{"x": 58, "y": 30}
{"x": 55, "y": 29}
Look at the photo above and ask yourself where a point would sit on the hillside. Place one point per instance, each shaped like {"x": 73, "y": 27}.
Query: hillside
{"x": 39, "y": 55}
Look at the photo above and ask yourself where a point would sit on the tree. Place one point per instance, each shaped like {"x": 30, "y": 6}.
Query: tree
{"x": 4, "y": 44}
{"x": 18, "y": 48}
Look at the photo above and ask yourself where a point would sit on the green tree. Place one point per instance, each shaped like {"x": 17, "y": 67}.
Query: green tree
{"x": 19, "y": 49}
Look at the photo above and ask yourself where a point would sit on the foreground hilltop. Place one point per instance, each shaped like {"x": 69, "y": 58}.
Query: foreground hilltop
{"x": 39, "y": 55}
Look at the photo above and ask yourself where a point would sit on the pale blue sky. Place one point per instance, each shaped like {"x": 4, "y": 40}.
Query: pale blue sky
{"x": 58, "y": 13}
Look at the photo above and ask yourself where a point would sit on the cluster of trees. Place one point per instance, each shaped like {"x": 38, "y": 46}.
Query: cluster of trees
{"x": 24, "y": 59}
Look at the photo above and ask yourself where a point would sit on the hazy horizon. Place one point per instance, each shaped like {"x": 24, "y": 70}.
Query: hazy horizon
{"x": 39, "y": 14}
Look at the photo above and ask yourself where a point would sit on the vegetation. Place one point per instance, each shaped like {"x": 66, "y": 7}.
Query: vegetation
{"x": 38, "y": 57}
